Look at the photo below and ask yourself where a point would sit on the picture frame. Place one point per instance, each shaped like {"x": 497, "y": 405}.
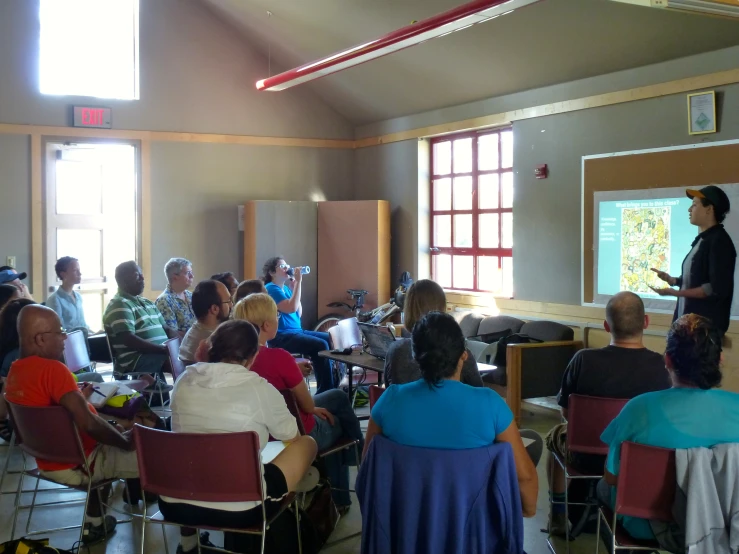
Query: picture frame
{"x": 702, "y": 113}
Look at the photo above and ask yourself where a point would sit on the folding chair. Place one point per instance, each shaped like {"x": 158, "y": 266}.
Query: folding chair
{"x": 193, "y": 466}
{"x": 173, "y": 349}
{"x": 588, "y": 417}
{"x": 49, "y": 433}
{"x": 375, "y": 392}
{"x": 645, "y": 489}
{"x": 342, "y": 444}
{"x": 161, "y": 382}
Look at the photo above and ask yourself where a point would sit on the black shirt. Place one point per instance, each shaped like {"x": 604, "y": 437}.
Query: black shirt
{"x": 613, "y": 372}
{"x": 712, "y": 268}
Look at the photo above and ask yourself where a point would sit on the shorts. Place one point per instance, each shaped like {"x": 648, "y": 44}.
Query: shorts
{"x": 194, "y": 516}
{"x": 107, "y": 462}
{"x": 587, "y": 464}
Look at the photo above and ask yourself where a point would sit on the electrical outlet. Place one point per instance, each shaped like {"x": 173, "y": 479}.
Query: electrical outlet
{"x": 10, "y": 260}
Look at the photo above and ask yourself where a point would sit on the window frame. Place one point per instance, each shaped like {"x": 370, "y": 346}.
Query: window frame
{"x": 475, "y": 250}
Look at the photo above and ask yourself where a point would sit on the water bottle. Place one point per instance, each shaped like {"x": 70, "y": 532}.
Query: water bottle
{"x": 305, "y": 270}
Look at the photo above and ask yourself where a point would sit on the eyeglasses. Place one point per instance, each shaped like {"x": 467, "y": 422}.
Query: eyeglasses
{"x": 61, "y": 331}
{"x": 284, "y": 266}
{"x": 229, "y": 301}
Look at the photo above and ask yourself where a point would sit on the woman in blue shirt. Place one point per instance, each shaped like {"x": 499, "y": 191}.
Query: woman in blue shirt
{"x": 439, "y": 411}
{"x": 285, "y": 287}
{"x": 693, "y": 413}
{"x": 65, "y": 301}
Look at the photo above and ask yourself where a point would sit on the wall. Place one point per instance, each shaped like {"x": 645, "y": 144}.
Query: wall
{"x": 197, "y": 76}
{"x": 547, "y": 213}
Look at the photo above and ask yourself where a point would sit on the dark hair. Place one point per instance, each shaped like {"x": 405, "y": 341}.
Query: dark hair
{"x": 204, "y": 297}
{"x": 62, "y": 264}
{"x": 9, "y": 339}
{"x": 223, "y": 277}
{"x": 6, "y": 293}
{"x": 720, "y": 216}
{"x": 694, "y": 347}
{"x": 270, "y": 266}
{"x": 625, "y": 315}
{"x": 233, "y": 340}
{"x": 438, "y": 343}
{"x": 252, "y": 286}
{"x": 122, "y": 270}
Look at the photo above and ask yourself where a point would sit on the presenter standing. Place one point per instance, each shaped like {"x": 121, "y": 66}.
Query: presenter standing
{"x": 706, "y": 286}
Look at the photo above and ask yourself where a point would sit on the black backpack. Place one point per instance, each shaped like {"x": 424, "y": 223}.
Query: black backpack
{"x": 503, "y": 342}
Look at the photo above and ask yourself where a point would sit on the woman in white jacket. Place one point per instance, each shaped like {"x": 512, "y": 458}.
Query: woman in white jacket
{"x": 225, "y": 396}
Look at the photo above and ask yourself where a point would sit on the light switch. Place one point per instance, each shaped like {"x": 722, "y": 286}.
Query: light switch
{"x": 10, "y": 260}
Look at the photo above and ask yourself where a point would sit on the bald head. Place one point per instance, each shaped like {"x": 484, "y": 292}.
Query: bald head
{"x": 40, "y": 332}
{"x": 625, "y": 316}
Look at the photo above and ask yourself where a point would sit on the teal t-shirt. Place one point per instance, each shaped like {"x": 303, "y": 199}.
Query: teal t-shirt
{"x": 672, "y": 418}
{"x": 453, "y": 415}
{"x": 289, "y": 323}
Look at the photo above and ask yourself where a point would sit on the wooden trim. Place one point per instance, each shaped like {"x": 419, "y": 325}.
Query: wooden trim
{"x": 37, "y": 218}
{"x": 514, "y": 361}
{"x": 163, "y": 136}
{"x": 546, "y": 344}
{"x": 145, "y": 216}
{"x": 599, "y": 100}
{"x": 250, "y": 240}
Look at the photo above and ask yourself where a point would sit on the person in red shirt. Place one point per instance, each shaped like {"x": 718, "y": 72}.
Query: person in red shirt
{"x": 38, "y": 378}
{"x": 326, "y": 417}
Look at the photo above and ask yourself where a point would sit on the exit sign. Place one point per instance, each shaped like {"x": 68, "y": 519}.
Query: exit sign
{"x": 100, "y": 118}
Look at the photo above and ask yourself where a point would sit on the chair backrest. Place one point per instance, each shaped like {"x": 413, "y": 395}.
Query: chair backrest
{"x": 468, "y": 321}
{"x": 547, "y": 331}
{"x": 76, "y": 356}
{"x": 292, "y": 405}
{"x": 646, "y": 482}
{"x": 173, "y": 349}
{"x": 99, "y": 348}
{"x": 218, "y": 467}
{"x": 346, "y": 334}
{"x": 375, "y": 392}
{"x": 587, "y": 418}
{"x": 498, "y": 323}
{"x": 47, "y": 433}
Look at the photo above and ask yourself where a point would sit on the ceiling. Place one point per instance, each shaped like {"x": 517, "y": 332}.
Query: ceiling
{"x": 551, "y": 42}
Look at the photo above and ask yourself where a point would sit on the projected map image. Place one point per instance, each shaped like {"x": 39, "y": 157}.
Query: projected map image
{"x": 645, "y": 243}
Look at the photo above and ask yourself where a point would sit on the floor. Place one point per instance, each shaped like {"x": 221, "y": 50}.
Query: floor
{"x": 344, "y": 540}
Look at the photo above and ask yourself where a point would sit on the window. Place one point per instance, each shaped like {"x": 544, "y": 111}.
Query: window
{"x": 89, "y": 48}
{"x": 472, "y": 211}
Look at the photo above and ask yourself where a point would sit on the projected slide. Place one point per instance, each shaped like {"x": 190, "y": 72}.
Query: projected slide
{"x": 637, "y": 235}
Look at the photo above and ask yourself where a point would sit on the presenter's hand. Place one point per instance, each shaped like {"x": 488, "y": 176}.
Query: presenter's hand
{"x": 666, "y": 277}
{"x": 664, "y": 292}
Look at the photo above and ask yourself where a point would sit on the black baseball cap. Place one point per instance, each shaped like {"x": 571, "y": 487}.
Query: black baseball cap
{"x": 714, "y": 195}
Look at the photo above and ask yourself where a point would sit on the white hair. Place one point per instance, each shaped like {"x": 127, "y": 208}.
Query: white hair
{"x": 175, "y": 266}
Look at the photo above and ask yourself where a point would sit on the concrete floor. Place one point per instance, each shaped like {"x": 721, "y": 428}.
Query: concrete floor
{"x": 127, "y": 536}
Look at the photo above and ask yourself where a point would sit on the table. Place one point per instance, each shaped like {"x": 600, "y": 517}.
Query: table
{"x": 485, "y": 368}
{"x": 359, "y": 359}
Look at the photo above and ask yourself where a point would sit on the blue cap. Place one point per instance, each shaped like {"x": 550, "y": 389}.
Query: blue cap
{"x": 8, "y": 275}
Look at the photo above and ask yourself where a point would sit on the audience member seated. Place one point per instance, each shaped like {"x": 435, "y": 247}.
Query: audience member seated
{"x": 223, "y": 395}
{"x": 691, "y": 414}
{"x": 9, "y": 276}
{"x": 9, "y": 340}
{"x": 8, "y": 293}
{"x": 212, "y": 306}
{"x": 438, "y": 411}
{"x": 135, "y": 327}
{"x": 228, "y": 279}
{"x": 65, "y": 301}
{"x": 624, "y": 369}
{"x": 38, "y": 378}
{"x": 290, "y": 334}
{"x": 423, "y": 296}
{"x": 327, "y": 417}
{"x": 175, "y": 303}
{"x": 252, "y": 286}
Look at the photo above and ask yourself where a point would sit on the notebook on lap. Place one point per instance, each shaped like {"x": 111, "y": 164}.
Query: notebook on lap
{"x": 378, "y": 338}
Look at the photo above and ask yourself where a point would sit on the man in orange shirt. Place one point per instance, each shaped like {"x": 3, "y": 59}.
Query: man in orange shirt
{"x": 38, "y": 378}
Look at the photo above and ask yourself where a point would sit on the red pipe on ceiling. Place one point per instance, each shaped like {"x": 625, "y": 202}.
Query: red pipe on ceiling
{"x": 439, "y": 25}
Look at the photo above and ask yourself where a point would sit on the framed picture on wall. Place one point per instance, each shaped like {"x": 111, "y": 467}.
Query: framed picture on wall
{"x": 702, "y": 113}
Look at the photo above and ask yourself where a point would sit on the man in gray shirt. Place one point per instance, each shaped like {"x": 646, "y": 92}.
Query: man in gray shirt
{"x": 211, "y": 304}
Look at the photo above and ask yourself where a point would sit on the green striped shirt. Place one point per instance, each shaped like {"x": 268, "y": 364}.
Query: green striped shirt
{"x": 131, "y": 314}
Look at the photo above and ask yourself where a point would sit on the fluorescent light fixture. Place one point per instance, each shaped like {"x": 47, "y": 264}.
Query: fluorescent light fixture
{"x": 725, "y": 8}
{"x": 457, "y": 19}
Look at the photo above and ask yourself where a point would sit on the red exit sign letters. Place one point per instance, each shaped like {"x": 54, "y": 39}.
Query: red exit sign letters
{"x": 99, "y": 118}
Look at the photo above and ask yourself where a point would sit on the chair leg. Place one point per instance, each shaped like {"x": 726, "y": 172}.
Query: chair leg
{"x": 297, "y": 523}
{"x": 143, "y": 521}
{"x": 264, "y": 531}
{"x": 597, "y": 533}
{"x": 84, "y": 511}
{"x": 33, "y": 503}
{"x": 567, "y": 514}
{"x": 18, "y": 495}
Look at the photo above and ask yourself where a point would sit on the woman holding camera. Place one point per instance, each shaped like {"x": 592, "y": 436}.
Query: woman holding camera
{"x": 284, "y": 285}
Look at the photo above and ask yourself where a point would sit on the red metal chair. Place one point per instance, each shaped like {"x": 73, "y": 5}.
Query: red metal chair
{"x": 646, "y": 489}
{"x": 173, "y": 349}
{"x": 374, "y": 394}
{"x": 218, "y": 467}
{"x": 588, "y": 417}
{"x": 49, "y": 433}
